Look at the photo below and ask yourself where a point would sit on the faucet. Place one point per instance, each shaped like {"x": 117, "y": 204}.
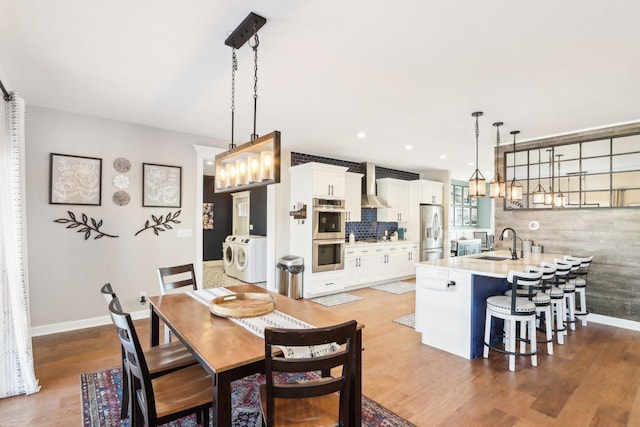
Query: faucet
{"x": 521, "y": 247}
{"x": 514, "y": 251}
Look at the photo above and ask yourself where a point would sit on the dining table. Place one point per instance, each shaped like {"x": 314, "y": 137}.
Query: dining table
{"x": 228, "y": 351}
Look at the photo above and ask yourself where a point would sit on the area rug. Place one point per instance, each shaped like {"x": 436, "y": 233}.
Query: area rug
{"x": 213, "y": 276}
{"x": 102, "y": 392}
{"x": 396, "y": 287}
{"x": 408, "y": 320}
{"x": 336, "y": 299}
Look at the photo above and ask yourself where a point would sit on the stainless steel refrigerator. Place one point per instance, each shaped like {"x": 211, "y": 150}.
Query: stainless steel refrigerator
{"x": 431, "y": 232}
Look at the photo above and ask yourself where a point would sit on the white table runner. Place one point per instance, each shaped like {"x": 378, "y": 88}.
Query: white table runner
{"x": 276, "y": 319}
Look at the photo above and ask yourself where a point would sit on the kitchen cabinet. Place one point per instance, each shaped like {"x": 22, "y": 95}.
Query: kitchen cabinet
{"x": 357, "y": 265}
{"x": 421, "y": 191}
{"x": 326, "y": 181}
{"x": 324, "y": 283}
{"x": 396, "y": 192}
{"x": 353, "y": 199}
{"x": 409, "y": 256}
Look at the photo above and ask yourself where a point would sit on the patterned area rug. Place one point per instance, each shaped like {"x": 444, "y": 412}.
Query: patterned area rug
{"x": 213, "y": 277}
{"x": 396, "y": 287}
{"x": 102, "y": 392}
{"x": 408, "y": 320}
{"x": 336, "y": 299}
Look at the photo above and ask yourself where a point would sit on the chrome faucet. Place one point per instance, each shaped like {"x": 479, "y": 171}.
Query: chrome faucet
{"x": 521, "y": 247}
{"x": 514, "y": 251}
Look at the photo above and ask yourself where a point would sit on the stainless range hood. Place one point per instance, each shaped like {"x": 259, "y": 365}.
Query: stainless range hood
{"x": 369, "y": 197}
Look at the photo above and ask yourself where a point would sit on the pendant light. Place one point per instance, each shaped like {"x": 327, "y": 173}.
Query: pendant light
{"x": 539, "y": 193}
{"x": 497, "y": 184}
{"x": 477, "y": 181}
{"x": 515, "y": 189}
{"x": 548, "y": 197}
{"x": 559, "y": 199}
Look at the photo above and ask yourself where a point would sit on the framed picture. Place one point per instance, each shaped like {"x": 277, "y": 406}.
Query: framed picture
{"x": 465, "y": 195}
{"x": 457, "y": 216}
{"x": 474, "y": 216}
{"x": 457, "y": 195}
{"x": 474, "y": 201}
{"x": 207, "y": 216}
{"x": 466, "y": 216}
{"x": 75, "y": 180}
{"x": 161, "y": 186}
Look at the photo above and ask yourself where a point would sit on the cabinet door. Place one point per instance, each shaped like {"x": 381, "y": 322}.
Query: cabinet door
{"x": 353, "y": 199}
{"x": 396, "y": 192}
{"x": 363, "y": 274}
{"x": 377, "y": 260}
{"x": 432, "y": 192}
{"x": 393, "y": 264}
{"x": 329, "y": 184}
{"x": 350, "y": 266}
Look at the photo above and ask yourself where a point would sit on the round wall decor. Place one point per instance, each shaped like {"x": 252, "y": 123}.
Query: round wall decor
{"x": 121, "y": 182}
{"x": 121, "y": 198}
{"x": 122, "y": 165}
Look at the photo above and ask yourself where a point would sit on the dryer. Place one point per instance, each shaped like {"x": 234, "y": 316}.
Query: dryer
{"x": 229, "y": 248}
{"x": 251, "y": 259}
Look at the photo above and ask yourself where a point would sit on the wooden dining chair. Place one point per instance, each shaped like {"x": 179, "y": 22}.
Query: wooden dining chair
{"x": 157, "y": 401}
{"x": 171, "y": 278}
{"x": 161, "y": 359}
{"x": 317, "y": 401}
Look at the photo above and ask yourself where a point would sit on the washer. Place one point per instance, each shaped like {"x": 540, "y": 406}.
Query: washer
{"x": 229, "y": 249}
{"x": 251, "y": 259}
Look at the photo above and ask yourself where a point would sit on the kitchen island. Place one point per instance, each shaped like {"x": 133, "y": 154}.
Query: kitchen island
{"x": 451, "y": 296}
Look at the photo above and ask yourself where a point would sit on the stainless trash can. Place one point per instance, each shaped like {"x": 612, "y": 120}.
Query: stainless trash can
{"x": 290, "y": 278}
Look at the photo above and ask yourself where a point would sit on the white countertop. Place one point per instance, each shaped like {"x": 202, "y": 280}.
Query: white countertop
{"x": 483, "y": 267}
{"x": 360, "y": 243}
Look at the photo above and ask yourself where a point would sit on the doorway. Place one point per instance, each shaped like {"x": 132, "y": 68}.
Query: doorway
{"x": 241, "y": 211}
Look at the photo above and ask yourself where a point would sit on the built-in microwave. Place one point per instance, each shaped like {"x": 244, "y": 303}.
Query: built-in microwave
{"x": 328, "y": 255}
{"x": 329, "y": 218}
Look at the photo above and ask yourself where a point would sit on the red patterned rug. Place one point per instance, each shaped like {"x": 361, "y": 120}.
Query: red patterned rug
{"x": 102, "y": 392}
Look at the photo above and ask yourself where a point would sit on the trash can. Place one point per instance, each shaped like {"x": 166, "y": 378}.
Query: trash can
{"x": 290, "y": 278}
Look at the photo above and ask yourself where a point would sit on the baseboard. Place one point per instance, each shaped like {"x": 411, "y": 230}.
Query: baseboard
{"x": 614, "y": 321}
{"x": 55, "y": 328}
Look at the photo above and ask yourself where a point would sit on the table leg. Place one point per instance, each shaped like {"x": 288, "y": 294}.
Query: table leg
{"x": 222, "y": 399}
{"x": 355, "y": 394}
{"x": 155, "y": 327}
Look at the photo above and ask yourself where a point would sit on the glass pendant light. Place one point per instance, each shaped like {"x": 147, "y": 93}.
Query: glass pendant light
{"x": 477, "y": 181}
{"x": 539, "y": 193}
{"x": 515, "y": 189}
{"x": 559, "y": 199}
{"x": 497, "y": 184}
{"x": 548, "y": 197}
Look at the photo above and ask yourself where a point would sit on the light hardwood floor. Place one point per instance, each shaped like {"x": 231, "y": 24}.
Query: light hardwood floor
{"x": 593, "y": 380}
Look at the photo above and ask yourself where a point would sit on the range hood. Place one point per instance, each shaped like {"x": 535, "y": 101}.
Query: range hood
{"x": 369, "y": 197}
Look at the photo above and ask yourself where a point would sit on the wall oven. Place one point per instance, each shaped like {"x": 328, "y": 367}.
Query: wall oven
{"x": 328, "y": 255}
{"x": 329, "y": 218}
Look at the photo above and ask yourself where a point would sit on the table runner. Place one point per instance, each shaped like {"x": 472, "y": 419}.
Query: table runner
{"x": 276, "y": 319}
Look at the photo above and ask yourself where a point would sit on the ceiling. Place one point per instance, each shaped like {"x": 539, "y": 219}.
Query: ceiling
{"x": 405, "y": 73}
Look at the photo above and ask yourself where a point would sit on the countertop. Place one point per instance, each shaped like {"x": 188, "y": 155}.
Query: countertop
{"x": 378, "y": 242}
{"x": 484, "y": 267}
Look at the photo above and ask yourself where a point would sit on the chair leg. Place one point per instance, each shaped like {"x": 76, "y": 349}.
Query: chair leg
{"x": 125, "y": 402}
{"x": 511, "y": 342}
{"x": 167, "y": 334}
{"x": 558, "y": 305}
{"x": 533, "y": 340}
{"x": 571, "y": 309}
{"x": 548, "y": 323}
{"x": 583, "y": 305}
{"x": 487, "y": 334}
{"x": 523, "y": 337}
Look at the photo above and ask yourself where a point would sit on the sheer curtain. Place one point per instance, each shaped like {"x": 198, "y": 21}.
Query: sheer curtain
{"x": 16, "y": 355}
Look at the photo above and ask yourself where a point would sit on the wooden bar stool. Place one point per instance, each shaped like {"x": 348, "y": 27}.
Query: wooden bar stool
{"x": 513, "y": 309}
{"x": 581, "y": 285}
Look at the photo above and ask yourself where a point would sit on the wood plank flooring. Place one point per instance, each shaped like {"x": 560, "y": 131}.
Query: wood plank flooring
{"x": 592, "y": 380}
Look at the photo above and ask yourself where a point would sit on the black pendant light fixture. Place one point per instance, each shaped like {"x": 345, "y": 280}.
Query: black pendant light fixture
{"x": 548, "y": 197}
{"x": 497, "y": 184}
{"x": 477, "y": 181}
{"x": 515, "y": 189}
{"x": 559, "y": 199}
{"x": 539, "y": 193}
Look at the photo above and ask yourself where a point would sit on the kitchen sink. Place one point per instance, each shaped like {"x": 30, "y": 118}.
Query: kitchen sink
{"x": 491, "y": 258}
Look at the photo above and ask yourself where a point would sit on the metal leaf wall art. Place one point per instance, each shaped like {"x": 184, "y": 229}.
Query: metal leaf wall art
{"x": 161, "y": 223}
{"x": 86, "y": 226}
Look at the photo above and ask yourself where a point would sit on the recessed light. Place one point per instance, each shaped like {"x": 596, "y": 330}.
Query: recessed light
{"x": 470, "y": 164}
{"x": 209, "y": 162}
{"x": 408, "y": 147}
{"x": 362, "y": 135}
{"x": 443, "y": 156}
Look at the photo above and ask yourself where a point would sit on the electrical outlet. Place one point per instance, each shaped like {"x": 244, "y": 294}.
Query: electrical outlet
{"x": 143, "y": 297}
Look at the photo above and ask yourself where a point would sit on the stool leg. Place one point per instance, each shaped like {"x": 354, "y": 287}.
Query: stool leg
{"x": 571, "y": 310}
{"x": 583, "y": 304}
{"x": 523, "y": 336}
{"x": 557, "y": 305}
{"x": 533, "y": 340}
{"x": 487, "y": 334}
{"x": 548, "y": 324}
{"x": 512, "y": 343}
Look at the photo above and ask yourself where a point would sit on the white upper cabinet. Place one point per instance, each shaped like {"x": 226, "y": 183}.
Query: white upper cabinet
{"x": 327, "y": 181}
{"x": 353, "y": 200}
{"x": 396, "y": 193}
{"x": 423, "y": 191}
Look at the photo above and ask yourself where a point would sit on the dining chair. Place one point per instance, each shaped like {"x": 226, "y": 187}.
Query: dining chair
{"x": 484, "y": 240}
{"x": 161, "y": 359}
{"x": 321, "y": 400}
{"x": 157, "y": 401}
{"x": 178, "y": 277}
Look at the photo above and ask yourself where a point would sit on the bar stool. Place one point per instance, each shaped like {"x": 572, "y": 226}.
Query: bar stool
{"x": 542, "y": 300}
{"x": 557, "y": 298}
{"x": 563, "y": 276}
{"x": 581, "y": 285}
{"x": 513, "y": 309}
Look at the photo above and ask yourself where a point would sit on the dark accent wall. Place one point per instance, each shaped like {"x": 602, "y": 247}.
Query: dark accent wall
{"x": 258, "y": 214}
{"x": 222, "y": 220}
{"x": 369, "y": 227}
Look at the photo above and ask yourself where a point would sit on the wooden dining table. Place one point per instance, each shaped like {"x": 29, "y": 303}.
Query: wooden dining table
{"x": 228, "y": 351}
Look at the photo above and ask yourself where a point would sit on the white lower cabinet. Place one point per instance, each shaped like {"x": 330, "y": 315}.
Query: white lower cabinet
{"x": 357, "y": 266}
{"x": 325, "y": 283}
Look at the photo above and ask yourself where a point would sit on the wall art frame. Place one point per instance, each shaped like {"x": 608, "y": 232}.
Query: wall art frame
{"x": 457, "y": 195}
{"x": 161, "y": 186}
{"x": 75, "y": 180}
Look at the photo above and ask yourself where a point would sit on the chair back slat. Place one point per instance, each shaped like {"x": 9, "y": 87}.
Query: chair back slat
{"x": 171, "y": 278}
{"x": 524, "y": 284}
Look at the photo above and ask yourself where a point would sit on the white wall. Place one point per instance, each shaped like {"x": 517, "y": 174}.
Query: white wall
{"x": 65, "y": 270}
